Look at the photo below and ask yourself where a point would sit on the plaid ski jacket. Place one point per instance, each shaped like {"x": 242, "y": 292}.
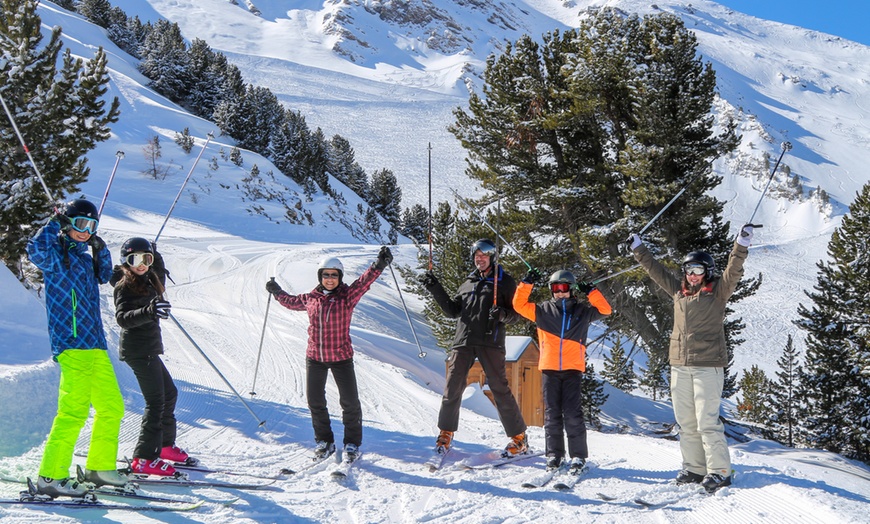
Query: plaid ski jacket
{"x": 330, "y": 316}
{"x": 72, "y": 293}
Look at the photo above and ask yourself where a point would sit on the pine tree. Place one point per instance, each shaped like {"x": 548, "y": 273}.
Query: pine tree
{"x": 385, "y": 196}
{"x": 59, "y": 108}
{"x": 753, "y": 406}
{"x": 415, "y": 223}
{"x": 97, "y": 11}
{"x": 654, "y": 379}
{"x": 343, "y": 166}
{"x": 165, "y": 60}
{"x": 783, "y": 398}
{"x": 618, "y": 369}
{"x": 835, "y": 384}
{"x": 592, "y": 396}
{"x": 593, "y": 131}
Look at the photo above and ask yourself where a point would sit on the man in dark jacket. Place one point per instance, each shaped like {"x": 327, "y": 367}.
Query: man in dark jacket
{"x": 480, "y": 334}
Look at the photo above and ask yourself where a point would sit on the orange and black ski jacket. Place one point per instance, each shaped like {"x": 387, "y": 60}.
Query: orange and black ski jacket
{"x": 562, "y": 326}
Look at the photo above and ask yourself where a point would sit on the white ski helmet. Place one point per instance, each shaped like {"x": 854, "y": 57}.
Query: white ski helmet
{"x": 330, "y": 263}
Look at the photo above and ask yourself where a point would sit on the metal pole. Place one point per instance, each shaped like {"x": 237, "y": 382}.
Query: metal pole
{"x": 26, "y": 151}
{"x": 210, "y": 136}
{"x": 407, "y": 315}
{"x": 260, "y": 351}
{"x": 487, "y": 224}
{"x": 118, "y": 156}
{"x": 430, "y": 206}
{"x": 608, "y": 277}
{"x": 785, "y": 146}
{"x": 260, "y": 423}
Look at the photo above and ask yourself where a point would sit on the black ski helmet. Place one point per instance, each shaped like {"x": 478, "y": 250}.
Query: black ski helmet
{"x": 81, "y": 208}
{"x": 487, "y": 247}
{"x": 700, "y": 257}
{"x": 135, "y": 245}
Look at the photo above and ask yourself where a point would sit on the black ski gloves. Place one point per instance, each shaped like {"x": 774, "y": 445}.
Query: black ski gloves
{"x": 384, "y": 258}
{"x": 428, "y": 279}
{"x": 533, "y": 276}
{"x": 158, "y": 308}
{"x": 96, "y": 243}
{"x": 585, "y": 287}
{"x": 273, "y": 287}
{"x": 64, "y": 221}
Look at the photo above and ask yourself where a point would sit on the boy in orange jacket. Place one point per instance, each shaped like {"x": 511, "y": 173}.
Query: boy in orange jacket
{"x": 563, "y": 323}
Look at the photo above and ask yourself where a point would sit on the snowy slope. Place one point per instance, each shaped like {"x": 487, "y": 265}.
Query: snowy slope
{"x": 220, "y": 257}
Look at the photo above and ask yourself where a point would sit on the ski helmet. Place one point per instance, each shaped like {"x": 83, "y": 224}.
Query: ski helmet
{"x": 563, "y": 276}
{"x": 81, "y": 208}
{"x": 330, "y": 263}
{"x": 135, "y": 245}
{"x": 700, "y": 257}
{"x": 487, "y": 247}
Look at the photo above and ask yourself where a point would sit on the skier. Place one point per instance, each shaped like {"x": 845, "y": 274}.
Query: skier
{"x": 562, "y": 323}
{"x": 330, "y": 308}
{"x": 698, "y": 355}
{"x": 78, "y": 344}
{"x": 480, "y": 333}
{"x": 139, "y": 283}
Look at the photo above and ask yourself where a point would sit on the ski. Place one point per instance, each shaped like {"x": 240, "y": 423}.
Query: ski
{"x": 101, "y": 505}
{"x": 495, "y": 459}
{"x": 569, "y": 477}
{"x": 342, "y": 470}
{"x": 542, "y": 479}
{"x": 436, "y": 461}
{"x": 120, "y": 492}
{"x": 205, "y": 470}
{"x": 181, "y": 482}
{"x": 309, "y": 464}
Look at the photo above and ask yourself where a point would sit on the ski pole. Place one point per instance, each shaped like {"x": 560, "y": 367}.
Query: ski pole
{"x": 430, "y": 206}
{"x": 118, "y": 156}
{"x": 689, "y": 183}
{"x": 260, "y": 423}
{"x": 407, "y": 315}
{"x": 260, "y": 351}
{"x": 26, "y": 151}
{"x": 785, "y": 146}
{"x": 467, "y": 204}
{"x": 608, "y": 277}
{"x": 165, "y": 220}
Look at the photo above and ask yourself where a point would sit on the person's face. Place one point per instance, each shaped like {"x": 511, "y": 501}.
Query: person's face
{"x": 481, "y": 261}
{"x": 695, "y": 274}
{"x": 329, "y": 279}
{"x": 79, "y": 236}
{"x": 141, "y": 269}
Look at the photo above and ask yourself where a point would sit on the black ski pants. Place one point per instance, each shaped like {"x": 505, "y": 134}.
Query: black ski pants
{"x": 348, "y": 395}
{"x": 492, "y": 360}
{"x": 158, "y": 420}
{"x": 563, "y": 413}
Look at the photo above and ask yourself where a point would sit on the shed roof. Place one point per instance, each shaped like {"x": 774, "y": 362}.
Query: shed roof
{"x": 515, "y": 346}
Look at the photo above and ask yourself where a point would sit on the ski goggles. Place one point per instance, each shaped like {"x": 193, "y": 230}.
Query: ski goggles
{"x": 329, "y": 275}
{"x": 85, "y": 224}
{"x": 139, "y": 259}
{"x": 560, "y": 287}
{"x": 694, "y": 269}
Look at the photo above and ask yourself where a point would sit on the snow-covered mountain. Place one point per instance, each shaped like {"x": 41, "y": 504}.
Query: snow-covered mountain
{"x": 386, "y": 75}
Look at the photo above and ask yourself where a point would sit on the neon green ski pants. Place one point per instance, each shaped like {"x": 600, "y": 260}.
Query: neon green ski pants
{"x": 86, "y": 378}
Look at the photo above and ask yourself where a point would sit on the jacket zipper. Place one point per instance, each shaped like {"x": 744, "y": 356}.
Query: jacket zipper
{"x": 75, "y": 306}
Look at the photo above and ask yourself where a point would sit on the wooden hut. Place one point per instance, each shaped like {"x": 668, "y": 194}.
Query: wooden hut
{"x": 524, "y": 378}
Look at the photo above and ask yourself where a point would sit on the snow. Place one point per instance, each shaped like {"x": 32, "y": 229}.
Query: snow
{"x": 788, "y": 83}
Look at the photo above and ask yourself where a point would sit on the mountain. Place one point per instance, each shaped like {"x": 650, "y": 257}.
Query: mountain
{"x": 390, "y": 92}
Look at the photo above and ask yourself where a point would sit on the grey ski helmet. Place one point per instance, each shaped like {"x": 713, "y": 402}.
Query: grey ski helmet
{"x": 485, "y": 246}
{"x": 700, "y": 257}
{"x": 330, "y": 263}
{"x": 563, "y": 276}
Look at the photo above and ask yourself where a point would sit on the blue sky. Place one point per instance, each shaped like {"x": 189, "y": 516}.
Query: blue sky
{"x": 845, "y": 18}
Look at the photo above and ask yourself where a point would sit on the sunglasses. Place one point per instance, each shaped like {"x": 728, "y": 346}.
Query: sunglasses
{"x": 85, "y": 224}
{"x": 560, "y": 287}
{"x": 694, "y": 270}
{"x": 329, "y": 275}
{"x": 139, "y": 259}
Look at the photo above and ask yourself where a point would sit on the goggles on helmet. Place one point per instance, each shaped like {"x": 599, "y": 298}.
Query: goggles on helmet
{"x": 694, "y": 269}
{"x": 560, "y": 287}
{"x": 139, "y": 259}
{"x": 85, "y": 224}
